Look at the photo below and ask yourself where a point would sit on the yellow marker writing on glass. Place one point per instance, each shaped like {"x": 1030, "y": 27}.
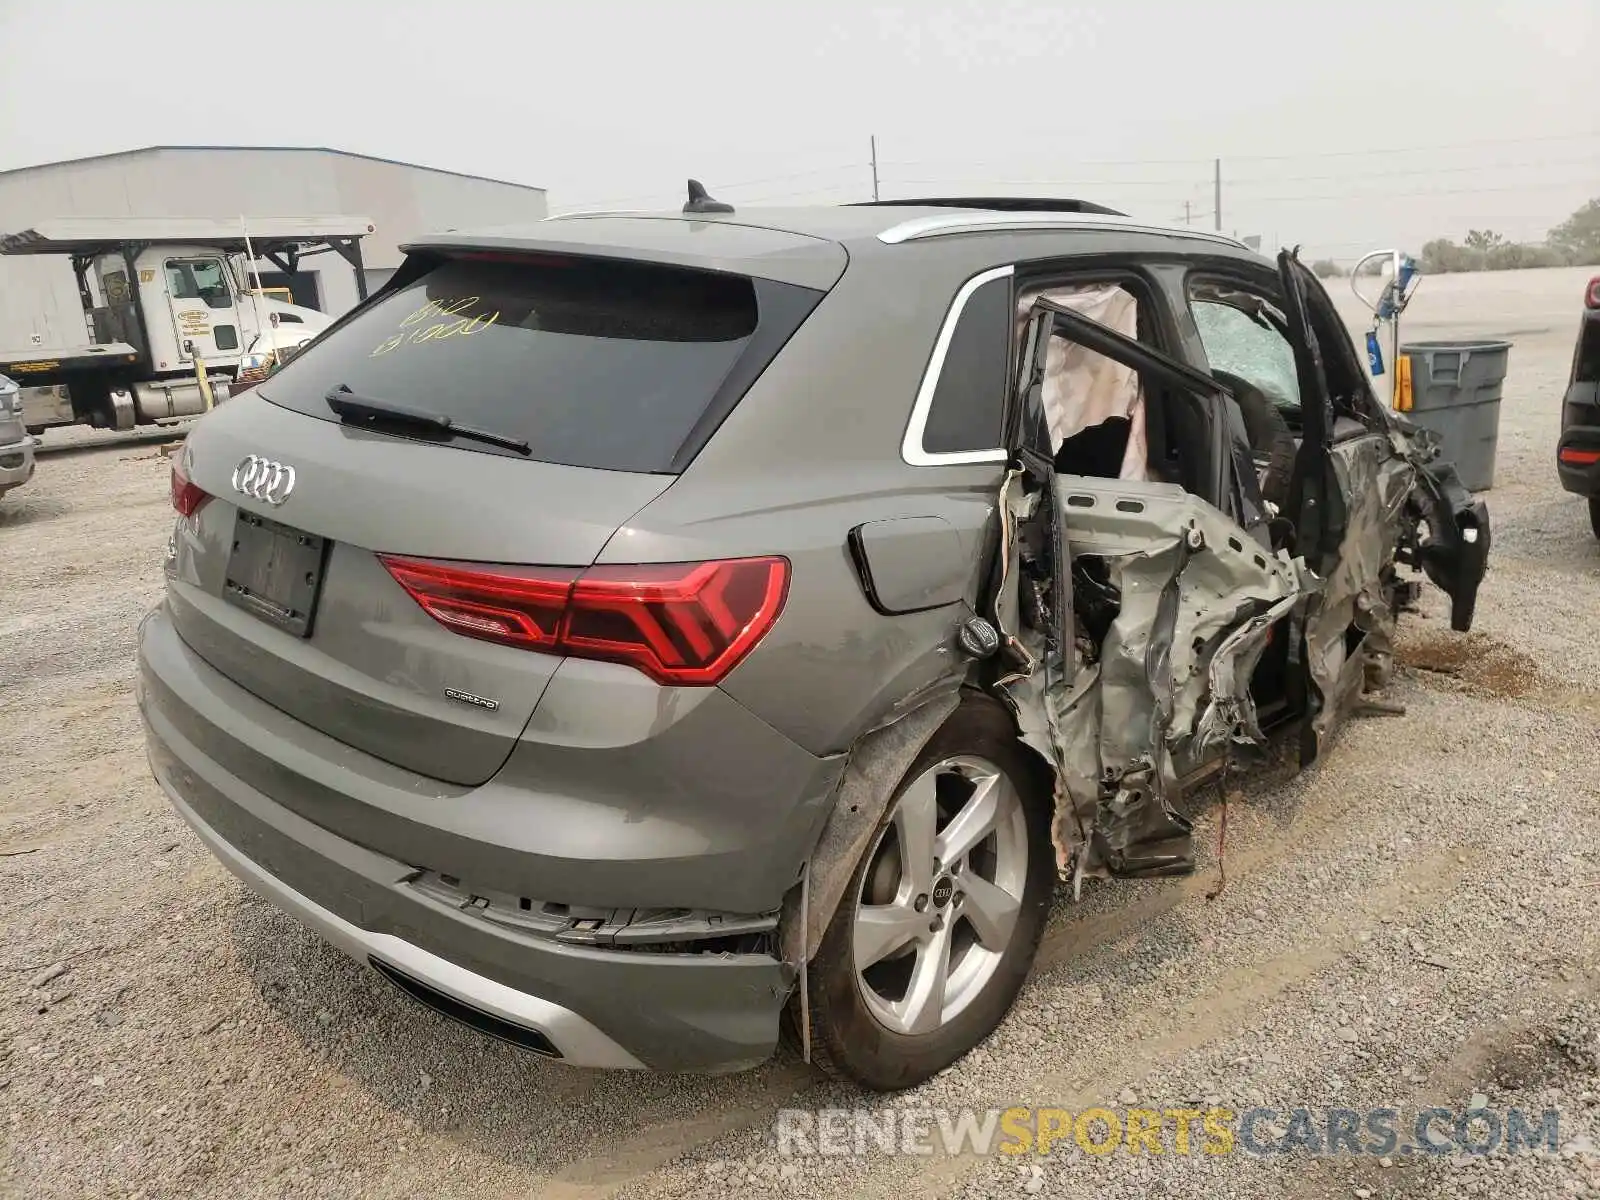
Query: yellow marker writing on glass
{"x": 439, "y": 330}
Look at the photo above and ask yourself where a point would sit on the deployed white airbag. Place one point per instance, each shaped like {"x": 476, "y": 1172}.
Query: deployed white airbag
{"x": 1083, "y": 387}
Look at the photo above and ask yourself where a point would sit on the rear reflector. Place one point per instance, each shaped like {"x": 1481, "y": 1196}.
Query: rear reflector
{"x": 1579, "y": 458}
{"x": 679, "y": 623}
{"x": 186, "y": 497}
{"x": 1403, "y": 397}
{"x": 1591, "y": 296}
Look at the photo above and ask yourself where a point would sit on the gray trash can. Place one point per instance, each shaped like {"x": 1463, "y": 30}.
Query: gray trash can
{"x": 1455, "y": 391}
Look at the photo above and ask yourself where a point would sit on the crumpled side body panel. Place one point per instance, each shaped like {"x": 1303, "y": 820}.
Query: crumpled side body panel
{"x": 1168, "y": 688}
{"x": 1376, "y": 476}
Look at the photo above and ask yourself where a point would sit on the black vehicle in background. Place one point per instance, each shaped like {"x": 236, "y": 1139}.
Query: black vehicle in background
{"x": 1578, "y": 448}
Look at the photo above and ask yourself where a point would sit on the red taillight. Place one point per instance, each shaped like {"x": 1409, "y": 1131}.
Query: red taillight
{"x": 509, "y": 605}
{"x": 1579, "y": 458}
{"x": 186, "y": 497}
{"x": 1591, "y": 298}
{"x": 679, "y": 623}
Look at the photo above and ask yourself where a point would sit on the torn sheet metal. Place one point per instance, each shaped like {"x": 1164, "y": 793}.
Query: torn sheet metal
{"x": 877, "y": 763}
{"x": 1169, "y": 682}
{"x": 1375, "y": 482}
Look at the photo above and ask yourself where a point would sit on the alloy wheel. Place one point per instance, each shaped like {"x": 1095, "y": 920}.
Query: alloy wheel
{"x": 941, "y": 896}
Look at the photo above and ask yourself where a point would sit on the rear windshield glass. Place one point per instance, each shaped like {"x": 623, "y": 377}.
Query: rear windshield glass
{"x": 593, "y": 363}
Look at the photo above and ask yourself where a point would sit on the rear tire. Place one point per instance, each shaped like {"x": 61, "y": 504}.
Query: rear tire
{"x": 954, "y": 939}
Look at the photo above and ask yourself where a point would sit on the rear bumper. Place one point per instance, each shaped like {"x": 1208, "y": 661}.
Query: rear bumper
{"x": 569, "y": 1035}
{"x": 1578, "y": 471}
{"x": 585, "y": 1005}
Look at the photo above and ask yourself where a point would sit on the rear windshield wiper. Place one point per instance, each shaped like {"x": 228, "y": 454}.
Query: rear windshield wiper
{"x": 354, "y": 409}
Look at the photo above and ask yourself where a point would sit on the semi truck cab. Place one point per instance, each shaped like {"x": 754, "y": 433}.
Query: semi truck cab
{"x": 165, "y": 302}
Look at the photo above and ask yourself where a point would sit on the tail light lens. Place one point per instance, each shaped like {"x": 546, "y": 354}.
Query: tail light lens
{"x": 498, "y": 604}
{"x": 1591, "y": 297}
{"x": 679, "y": 623}
{"x": 186, "y": 497}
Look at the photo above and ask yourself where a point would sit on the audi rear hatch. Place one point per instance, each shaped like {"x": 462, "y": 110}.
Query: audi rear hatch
{"x": 388, "y": 538}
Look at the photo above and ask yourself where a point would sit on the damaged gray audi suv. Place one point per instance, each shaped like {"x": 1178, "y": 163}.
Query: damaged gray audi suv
{"x": 636, "y": 635}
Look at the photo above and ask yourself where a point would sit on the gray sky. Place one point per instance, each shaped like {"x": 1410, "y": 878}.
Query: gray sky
{"x": 1345, "y": 126}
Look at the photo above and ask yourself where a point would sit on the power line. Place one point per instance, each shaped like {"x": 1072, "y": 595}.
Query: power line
{"x": 1549, "y": 186}
{"x": 851, "y": 189}
{"x": 1251, "y": 199}
{"x": 1197, "y": 182}
{"x": 850, "y": 170}
{"x": 1309, "y": 154}
{"x": 1515, "y": 141}
{"x": 1587, "y": 160}
{"x": 965, "y": 181}
{"x": 795, "y": 175}
{"x": 1082, "y": 162}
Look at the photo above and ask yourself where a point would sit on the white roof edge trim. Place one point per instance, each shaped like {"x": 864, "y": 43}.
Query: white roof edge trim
{"x": 911, "y": 450}
{"x": 948, "y": 224}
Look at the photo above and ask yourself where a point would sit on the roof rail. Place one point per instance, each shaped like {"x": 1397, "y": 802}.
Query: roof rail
{"x": 998, "y": 204}
{"x": 921, "y": 228}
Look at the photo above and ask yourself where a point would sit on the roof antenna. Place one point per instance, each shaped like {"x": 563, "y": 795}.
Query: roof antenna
{"x": 700, "y": 200}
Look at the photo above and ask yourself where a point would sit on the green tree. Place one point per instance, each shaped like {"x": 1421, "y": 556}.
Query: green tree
{"x": 1577, "y": 239}
{"x": 1522, "y": 255}
{"x": 1326, "y": 268}
{"x": 1441, "y": 256}
{"x": 1484, "y": 240}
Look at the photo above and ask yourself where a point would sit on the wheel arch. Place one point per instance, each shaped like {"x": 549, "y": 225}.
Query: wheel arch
{"x": 878, "y": 761}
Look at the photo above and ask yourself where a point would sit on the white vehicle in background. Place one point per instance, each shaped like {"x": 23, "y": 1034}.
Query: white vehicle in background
{"x": 41, "y": 407}
{"x": 172, "y": 320}
{"x": 16, "y": 443}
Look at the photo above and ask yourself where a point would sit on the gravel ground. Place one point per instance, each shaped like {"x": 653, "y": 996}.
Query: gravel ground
{"x": 1409, "y": 924}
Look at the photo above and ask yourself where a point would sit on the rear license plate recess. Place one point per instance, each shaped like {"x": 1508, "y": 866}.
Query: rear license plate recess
{"x": 275, "y": 572}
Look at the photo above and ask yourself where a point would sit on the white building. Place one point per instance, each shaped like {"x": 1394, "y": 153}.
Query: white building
{"x": 39, "y": 296}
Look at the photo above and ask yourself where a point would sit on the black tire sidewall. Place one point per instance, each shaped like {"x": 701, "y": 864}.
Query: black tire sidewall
{"x": 857, "y": 1045}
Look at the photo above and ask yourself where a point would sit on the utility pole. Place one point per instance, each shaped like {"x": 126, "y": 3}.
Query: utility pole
{"x": 1216, "y": 200}
{"x": 874, "y": 167}
{"x": 1188, "y": 218}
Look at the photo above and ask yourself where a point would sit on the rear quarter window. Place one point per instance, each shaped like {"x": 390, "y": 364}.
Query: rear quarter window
{"x": 968, "y": 408}
{"x": 599, "y": 363}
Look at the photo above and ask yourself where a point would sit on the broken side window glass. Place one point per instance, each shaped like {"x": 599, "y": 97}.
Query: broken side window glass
{"x": 1249, "y": 347}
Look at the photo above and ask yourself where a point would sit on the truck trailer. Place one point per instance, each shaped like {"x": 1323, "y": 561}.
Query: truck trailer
{"x": 170, "y": 318}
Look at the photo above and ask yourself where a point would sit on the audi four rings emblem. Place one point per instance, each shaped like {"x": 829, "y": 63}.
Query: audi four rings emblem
{"x": 262, "y": 479}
